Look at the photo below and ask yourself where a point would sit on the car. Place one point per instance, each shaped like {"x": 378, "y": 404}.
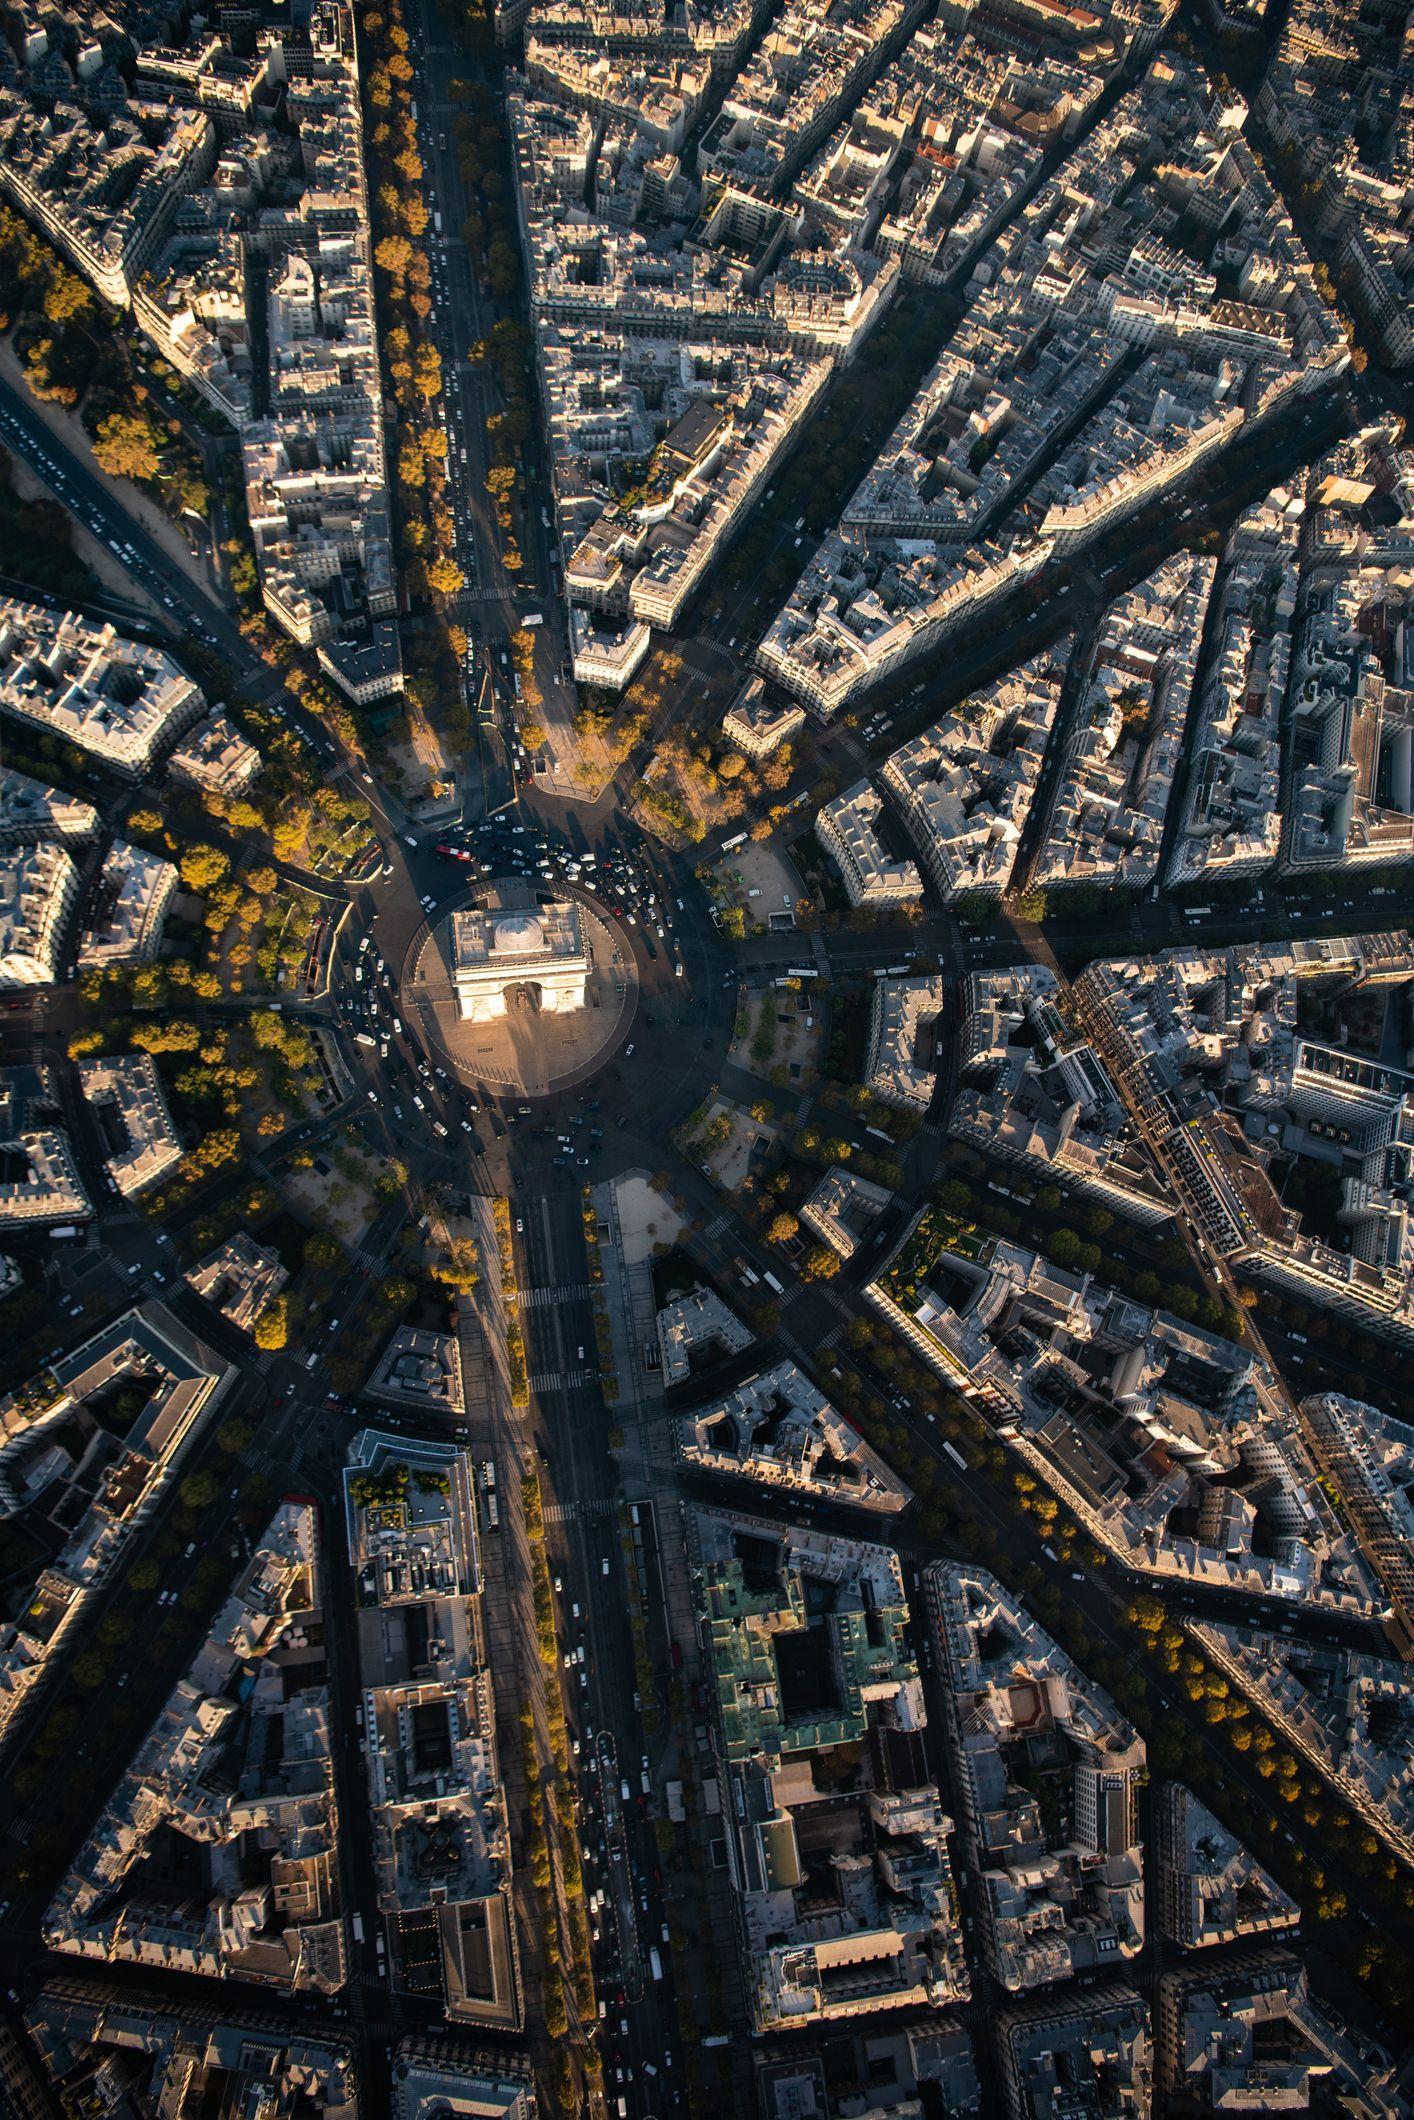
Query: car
{"x": 520, "y": 1227}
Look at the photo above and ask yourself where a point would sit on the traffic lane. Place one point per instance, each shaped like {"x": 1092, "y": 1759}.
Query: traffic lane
{"x": 603, "y": 1694}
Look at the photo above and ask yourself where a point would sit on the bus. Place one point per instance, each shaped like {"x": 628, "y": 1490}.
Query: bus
{"x": 358, "y": 1928}
{"x": 729, "y": 846}
{"x": 655, "y": 1963}
{"x": 801, "y": 971}
{"x": 956, "y": 1455}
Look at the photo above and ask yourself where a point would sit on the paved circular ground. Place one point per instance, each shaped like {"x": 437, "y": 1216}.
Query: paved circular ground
{"x": 529, "y": 1051}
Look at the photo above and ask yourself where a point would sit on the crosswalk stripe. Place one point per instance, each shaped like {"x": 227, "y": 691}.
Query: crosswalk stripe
{"x": 572, "y": 1512}
{"x": 542, "y": 1298}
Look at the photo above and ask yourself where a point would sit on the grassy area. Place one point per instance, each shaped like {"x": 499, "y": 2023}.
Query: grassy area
{"x": 515, "y": 1331}
{"x": 36, "y": 544}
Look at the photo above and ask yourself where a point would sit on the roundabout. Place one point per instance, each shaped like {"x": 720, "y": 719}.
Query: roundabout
{"x": 524, "y": 991}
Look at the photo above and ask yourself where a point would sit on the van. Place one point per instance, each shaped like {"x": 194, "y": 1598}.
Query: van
{"x": 604, "y": 1565}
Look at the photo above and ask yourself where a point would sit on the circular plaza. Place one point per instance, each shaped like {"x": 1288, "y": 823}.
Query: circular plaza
{"x": 523, "y": 990}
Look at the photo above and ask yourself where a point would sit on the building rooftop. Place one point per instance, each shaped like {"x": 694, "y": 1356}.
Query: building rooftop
{"x": 420, "y": 1368}
{"x": 238, "y": 1764}
{"x": 126, "y": 1098}
{"x": 117, "y": 698}
{"x": 441, "y": 1843}
{"x": 239, "y": 1278}
{"x": 1211, "y": 1888}
{"x": 840, "y": 1868}
{"x": 696, "y": 1330}
{"x": 1057, "y": 1852}
{"x": 777, "y": 1428}
{"x": 127, "y": 2050}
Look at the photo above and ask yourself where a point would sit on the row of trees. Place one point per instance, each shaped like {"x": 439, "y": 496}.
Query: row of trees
{"x": 1082, "y": 1253}
{"x": 404, "y": 285}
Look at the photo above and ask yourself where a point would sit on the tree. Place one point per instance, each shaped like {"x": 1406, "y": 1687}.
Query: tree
{"x": 203, "y": 867}
{"x": 125, "y": 447}
{"x": 445, "y": 576}
{"x": 67, "y": 300}
{"x": 782, "y": 1228}
{"x": 394, "y": 255}
{"x": 460, "y": 1269}
{"x": 272, "y": 1327}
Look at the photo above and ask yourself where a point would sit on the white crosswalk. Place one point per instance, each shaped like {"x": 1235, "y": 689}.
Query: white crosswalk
{"x": 718, "y": 1226}
{"x": 543, "y": 1298}
{"x": 580, "y": 1512}
{"x": 562, "y": 1379}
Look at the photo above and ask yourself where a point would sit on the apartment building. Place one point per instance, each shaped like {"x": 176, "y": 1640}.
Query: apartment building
{"x": 126, "y": 1098}
{"x": 779, "y": 1429}
{"x": 888, "y": 1935}
{"x": 38, "y": 888}
{"x": 904, "y": 1020}
{"x": 281, "y": 1926}
{"x": 1056, "y": 1902}
{"x": 847, "y": 827}
{"x": 120, "y": 699}
{"x": 964, "y": 787}
{"x": 1106, "y": 820}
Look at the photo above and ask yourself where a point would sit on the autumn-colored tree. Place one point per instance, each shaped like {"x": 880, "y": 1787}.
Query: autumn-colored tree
{"x": 393, "y": 255}
{"x": 272, "y": 1327}
{"x": 445, "y": 576}
{"x": 126, "y": 447}
{"x": 203, "y": 867}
